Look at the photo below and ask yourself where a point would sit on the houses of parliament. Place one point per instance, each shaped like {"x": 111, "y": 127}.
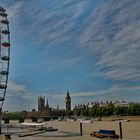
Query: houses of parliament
{"x": 44, "y": 110}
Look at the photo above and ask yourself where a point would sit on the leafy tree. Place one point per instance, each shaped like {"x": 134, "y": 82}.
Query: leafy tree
{"x": 78, "y": 112}
{"x": 69, "y": 113}
{"x": 12, "y": 116}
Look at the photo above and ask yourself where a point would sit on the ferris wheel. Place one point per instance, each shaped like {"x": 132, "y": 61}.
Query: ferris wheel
{"x": 4, "y": 54}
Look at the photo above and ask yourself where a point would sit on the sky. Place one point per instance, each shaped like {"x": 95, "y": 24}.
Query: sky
{"x": 89, "y": 47}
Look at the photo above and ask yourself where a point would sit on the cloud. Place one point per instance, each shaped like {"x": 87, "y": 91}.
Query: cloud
{"x": 18, "y": 98}
{"x": 109, "y": 33}
{"x": 116, "y": 89}
{"x": 115, "y": 92}
{"x": 50, "y": 24}
{"x": 63, "y": 63}
{"x": 16, "y": 90}
{"x": 112, "y": 37}
{"x": 56, "y": 24}
{"x": 14, "y": 15}
{"x": 15, "y": 87}
{"x": 121, "y": 88}
{"x": 79, "y": 94}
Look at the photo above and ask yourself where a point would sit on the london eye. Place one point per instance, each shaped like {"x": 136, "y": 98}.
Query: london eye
{"x": 4, "y": 56}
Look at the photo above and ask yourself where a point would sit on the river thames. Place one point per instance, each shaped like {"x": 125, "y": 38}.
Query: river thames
{"x": 70, "y": 130}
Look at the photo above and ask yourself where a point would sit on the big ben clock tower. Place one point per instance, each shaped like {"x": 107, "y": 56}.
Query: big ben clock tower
{"x": 68, "y": 101}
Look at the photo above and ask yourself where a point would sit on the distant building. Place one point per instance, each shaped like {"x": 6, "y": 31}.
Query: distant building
{"x": 122, "y": 104}
{"x": 106, "y": 104}
{"x": 44, "y": 110}
{"x": 109, "y": 104}
{"x": 93, "y": 104}
{"x": 68, "y": 102}
{"x": 79, "y": 106}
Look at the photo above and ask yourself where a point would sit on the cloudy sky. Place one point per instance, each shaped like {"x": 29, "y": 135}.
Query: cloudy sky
{"x": 90, "y": 47}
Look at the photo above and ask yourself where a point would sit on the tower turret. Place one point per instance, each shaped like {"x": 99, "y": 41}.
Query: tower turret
{"x": 41, "y": 103}
{"x": 47, "y": 105}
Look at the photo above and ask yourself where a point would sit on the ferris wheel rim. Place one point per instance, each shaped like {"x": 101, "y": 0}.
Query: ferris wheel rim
{"x": 4, "y": 54}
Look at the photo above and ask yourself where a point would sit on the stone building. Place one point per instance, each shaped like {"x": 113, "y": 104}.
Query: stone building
{"x": 44, "y": 110}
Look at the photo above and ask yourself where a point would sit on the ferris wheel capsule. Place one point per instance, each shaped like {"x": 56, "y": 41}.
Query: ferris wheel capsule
{"x": 3, "y": 86}
{"x": 5, "y": 32}
{"x": 6, "y": 44}
{"x": 5, "y": 21}
{"x": 1, "y": 99}
{"x": 6, "y": 58}
{"x": 3, "y": 14}
{"x": 4, "y": 72}
{"x": 2, "y": 9}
